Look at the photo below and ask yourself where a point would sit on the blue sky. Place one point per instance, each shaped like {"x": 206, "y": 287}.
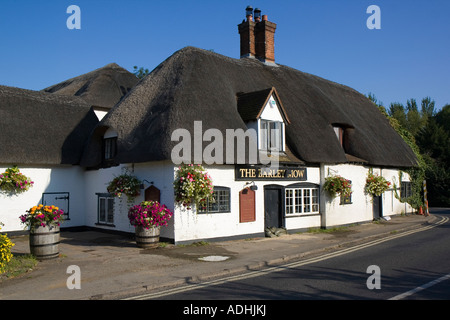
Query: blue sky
{"x": 409, "y": 57}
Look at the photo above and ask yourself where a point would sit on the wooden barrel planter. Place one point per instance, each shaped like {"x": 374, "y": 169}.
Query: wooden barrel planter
{"x": 147, "y": 238}
{"x": 44, "y": 242}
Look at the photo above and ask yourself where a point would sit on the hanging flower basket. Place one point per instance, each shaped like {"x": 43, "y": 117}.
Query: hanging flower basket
{"x": 337, "y": 185}
{"x": 192, "y": 185}
{"x": 376, "y": 185}
{"x": 126, "y": 184}
{"x": 12, "y": 180}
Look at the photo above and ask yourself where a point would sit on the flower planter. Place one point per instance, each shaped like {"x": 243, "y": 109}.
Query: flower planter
{"x": 147, "y": 238}
{"x": 44, "y": 242}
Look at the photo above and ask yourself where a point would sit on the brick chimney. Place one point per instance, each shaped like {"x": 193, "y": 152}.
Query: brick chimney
{"x": 257, "y": 37}
{"x": 247, "y": 32}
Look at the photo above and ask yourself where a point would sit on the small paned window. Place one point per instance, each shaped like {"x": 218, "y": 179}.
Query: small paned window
{"x": 346, "y": 199}
{"x": 105, "y": 208}
{"x": 405, "y": 190}
{"x": 219, "y": 203}
{"x": 301, "y": 200}
{"x": 109, "y": 148}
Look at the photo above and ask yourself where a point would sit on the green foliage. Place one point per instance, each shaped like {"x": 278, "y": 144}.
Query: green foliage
{"x": 5, "y": 251}
{"x": 417, "y": 174}
{"x": 140, "y": 72}
{"x": 434, "y": 144}
{"x": 427, "y": 132}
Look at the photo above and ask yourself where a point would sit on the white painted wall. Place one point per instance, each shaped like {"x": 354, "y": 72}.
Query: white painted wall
{"x": 190, "y": 226}
{"x": 187, "y": 225}
{"x": 361, "y": 208}
{"x": 50, "y": 179}
{"x": 160, "y": 173}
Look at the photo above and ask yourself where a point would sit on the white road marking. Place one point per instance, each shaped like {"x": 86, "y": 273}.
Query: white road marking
{"x": 418, "y": 289}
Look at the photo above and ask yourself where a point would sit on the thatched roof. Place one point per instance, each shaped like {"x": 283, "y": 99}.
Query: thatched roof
{"x": 42, "y": 128}
{"x": 195, "y": 84}
{"x": 103, "y": 87}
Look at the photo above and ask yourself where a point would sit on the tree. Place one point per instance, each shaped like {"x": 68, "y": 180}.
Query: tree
{"x": 416, "y": 174}
{"x": 140, "y": 72}
{"x": 434, "y": 143}
{"x": 397, "y": 111}
{"x": 428, "y": 110}
{"x": 443, "y": 117}
{"x": 410, "y": 117}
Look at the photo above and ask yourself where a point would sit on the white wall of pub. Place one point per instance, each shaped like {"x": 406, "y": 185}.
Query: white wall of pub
{"x": 46, "y": 179}
{"x": 188, "y": 225}
{"x": 361, "y": 208}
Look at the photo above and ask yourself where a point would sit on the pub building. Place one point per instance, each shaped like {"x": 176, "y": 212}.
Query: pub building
{"x": 313, "y": 127}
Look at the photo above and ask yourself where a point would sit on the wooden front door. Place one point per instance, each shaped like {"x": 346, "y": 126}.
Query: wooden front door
{"x": 273, "y": 207}
{"x": 377, "y": 207}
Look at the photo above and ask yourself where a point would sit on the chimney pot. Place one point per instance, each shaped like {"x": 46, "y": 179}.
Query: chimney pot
{"x": 257, "y": 38}
{"x": 249, "y": 13}
{"x": 257, "y": 15}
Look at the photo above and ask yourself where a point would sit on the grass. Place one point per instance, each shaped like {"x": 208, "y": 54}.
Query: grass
{"x": 329, "y": 230}
{"x": 19, "y": 265}
{"x": 194, "y": 244}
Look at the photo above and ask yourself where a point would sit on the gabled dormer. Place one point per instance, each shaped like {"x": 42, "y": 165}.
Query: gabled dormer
{"x": 264, "y": 112}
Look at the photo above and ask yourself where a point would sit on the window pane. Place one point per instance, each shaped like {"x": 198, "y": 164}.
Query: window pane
{"x": 213, "y": 206}
{"x": 223, "y": 196}
{"x": 264, "y": 135}
{"x": 110, "y": 148}
{"x": 306, "y": 200}
{"x": 275, "y": 135}
{"x": 289, "y": 201}
{"x": 102, "y": 210}
{"x": 315, "y": 200}
{"x": 298, "y": 200}
{"x": 110, "y": 210}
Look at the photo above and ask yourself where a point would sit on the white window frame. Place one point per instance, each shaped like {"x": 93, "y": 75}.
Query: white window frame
{"x": 108, "y": 201}
{"x": 270, "y": 139}
{"x": 302, "y": 200}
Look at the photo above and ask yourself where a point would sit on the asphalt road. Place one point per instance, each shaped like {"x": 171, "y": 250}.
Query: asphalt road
{"x": 415, "y": 266}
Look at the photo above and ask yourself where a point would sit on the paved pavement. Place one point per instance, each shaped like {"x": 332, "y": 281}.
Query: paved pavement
{"x": 113, "y": 267}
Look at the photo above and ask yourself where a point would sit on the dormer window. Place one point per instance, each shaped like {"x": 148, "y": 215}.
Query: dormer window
{"x": 263, "y": 111}
{"x": 109, "y": 147}
{"x": 339, "y": 131}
